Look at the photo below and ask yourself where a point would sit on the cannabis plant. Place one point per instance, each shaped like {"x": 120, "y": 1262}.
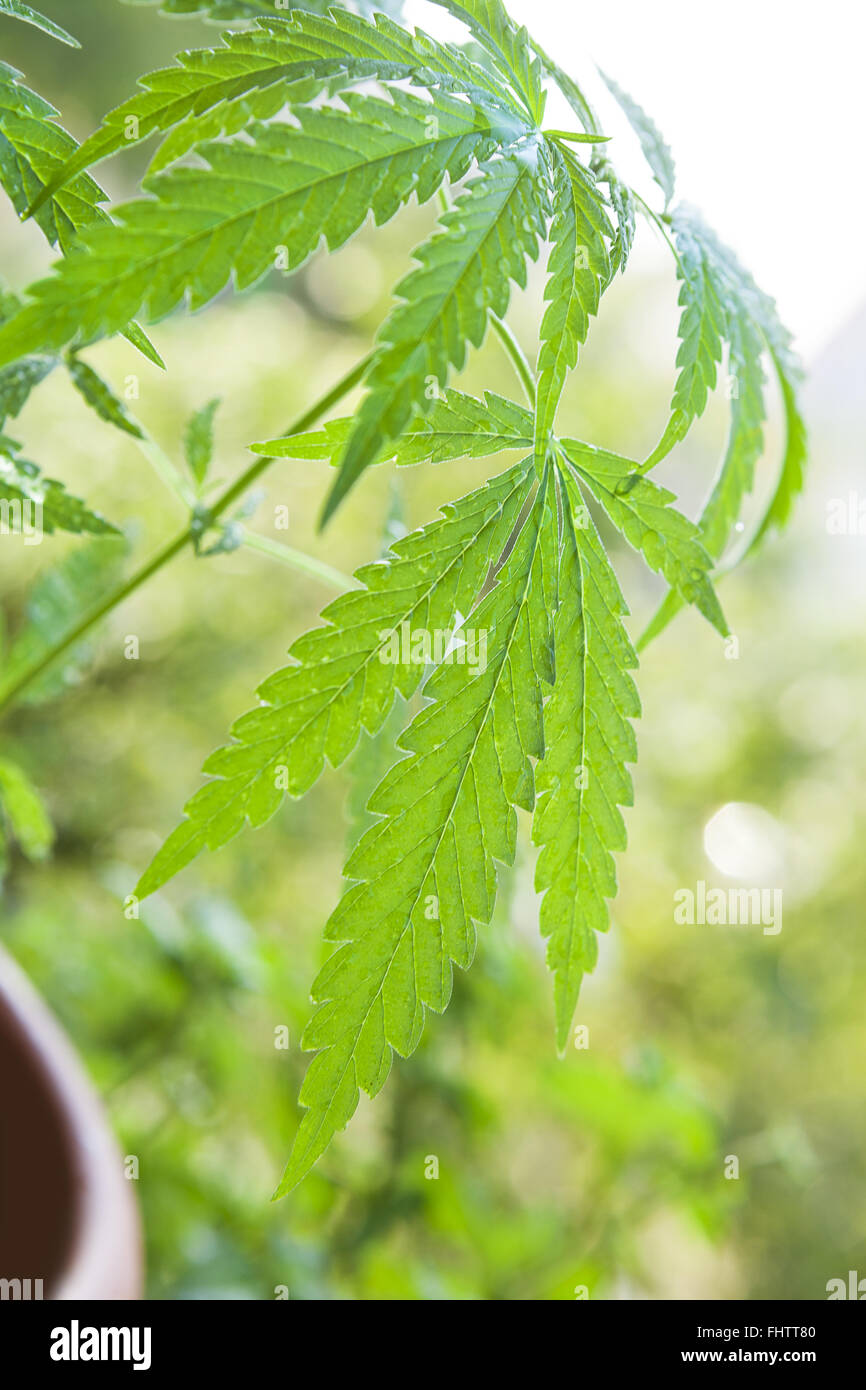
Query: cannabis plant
{"x": 294, "y": 129}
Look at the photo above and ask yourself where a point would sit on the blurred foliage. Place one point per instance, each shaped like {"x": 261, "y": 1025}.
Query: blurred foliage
{"x": 604, "y": 1169}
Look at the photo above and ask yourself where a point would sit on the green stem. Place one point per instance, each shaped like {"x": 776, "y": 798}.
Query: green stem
{"x": 165, "y": 469}
{"x": 236, "y": 489}
{"x": 303, "y": 423}
{"x": 581, "y": 139}
{"x": 518, "y": 357}
{"x": 659, "y": 223}
{"x": 298, "y": 560}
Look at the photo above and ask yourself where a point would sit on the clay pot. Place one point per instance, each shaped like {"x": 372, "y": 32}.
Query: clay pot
{"x": 68, "y": 1215}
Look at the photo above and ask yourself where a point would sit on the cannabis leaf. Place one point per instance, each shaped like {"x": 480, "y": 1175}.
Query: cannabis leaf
{"x": 345, "y": 674}
{"x": 502, "y": 620}
{"x": 425, "y": 874}
{"x": 582, "y": 778}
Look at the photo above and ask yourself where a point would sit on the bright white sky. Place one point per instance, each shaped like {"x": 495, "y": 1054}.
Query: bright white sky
{"x": 762, "y": 103}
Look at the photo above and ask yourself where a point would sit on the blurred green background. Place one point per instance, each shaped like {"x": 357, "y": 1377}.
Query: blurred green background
{"x": 605, "y": 1168}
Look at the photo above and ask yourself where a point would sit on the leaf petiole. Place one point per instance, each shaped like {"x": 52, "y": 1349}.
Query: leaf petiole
{"x": 235, "y": 490}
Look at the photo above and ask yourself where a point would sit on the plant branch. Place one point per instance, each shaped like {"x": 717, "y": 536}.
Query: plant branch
{"x": 518, "y": 357}
{"x": 10, "y": 692}
{"x": 298, "y": 559}
{"x": 659, "y": 222}
{"x": 515, "y": 352}
{"x": 165, "y": 469}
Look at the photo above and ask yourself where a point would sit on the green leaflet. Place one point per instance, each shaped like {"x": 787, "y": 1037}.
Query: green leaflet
{"x": 33, "y": 147}
{"x": 255, "y": 207}
{"x": 221, "y": 10}
{"x": 745, "y": 441}
{"x": 619, "y": 193}
{"x": 31, "y": 503}
{"x": 425, "y": 874}
{"x": 465, "y": 273}
{"x": 641, "y": 510}
{"x": 457, "y": 426}
{"x": 757, "y": 312}
{"x": 623, "y": 205}
{"x": 345, "y": 674}
{"x": 578, "y": 271}
{"x": 375, "y": 753}
{"x": 656, "y": 152}
{"x": 703, "y": 329}
{"x": 198, "y": 441}
{"x": 736, "y": 475}
{"x": 789, "y": 374}
{"x": 366, "y": 768}
{"x": 583, "y": 779}
{"x": 16, "y": 10}
{"x": 508, "y": 46}
{"x": 792, "y": 475}
{"x": 18, "y": 380}
{"x": 100, "y": 397}
{"x": 9, "y": 304}
{"x": 753, "y": 327}
{"x": 136, "y": 336}
{"x": 253, "y": 74}
{"x": 25, "y": 812}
